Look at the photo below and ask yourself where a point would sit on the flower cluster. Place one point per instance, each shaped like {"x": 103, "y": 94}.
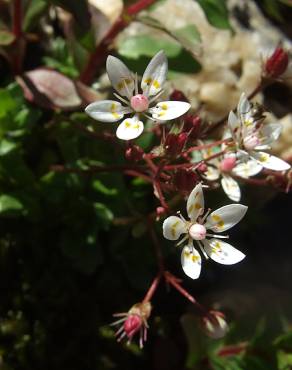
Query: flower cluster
{"x": 237, "y": 157}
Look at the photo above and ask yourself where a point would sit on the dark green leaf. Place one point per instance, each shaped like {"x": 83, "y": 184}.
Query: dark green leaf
{"x": 216, "y": 13}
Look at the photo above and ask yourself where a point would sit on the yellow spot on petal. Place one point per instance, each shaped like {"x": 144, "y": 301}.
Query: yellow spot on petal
{"x": 198, "y": 205}
{"x": 263, "y": 157}
{"x": 187, "y": 254}
{"x": 218, "y": 220}
{"x": 136, "y": 126}
{"x": 191, "y": 207}
{"x": 160, "y": 114}
{"x": 164, "y": 106}
{"x": 127, "y": 124}
{"x": 195, "y": 258}
{"x": 115, "y": 114}
{"x": 156, "y": 84}
{"x": 173, "y": 229}
{"x": 148, "y": 81}
{"x": 248, "y": 122}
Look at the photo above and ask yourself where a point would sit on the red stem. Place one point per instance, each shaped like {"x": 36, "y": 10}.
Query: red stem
{"x": 171, "y": 279}
{"x": 152, "y": 289}
{"x": 17, "y": 18}
{"x": 206, "y": 146}
{"x": 98, "y": 57}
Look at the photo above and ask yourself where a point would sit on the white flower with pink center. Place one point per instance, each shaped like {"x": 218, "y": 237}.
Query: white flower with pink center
{"x": 140, "y": 103}
{"x": 196, "y": 229}
{"x": 251, "y": 136}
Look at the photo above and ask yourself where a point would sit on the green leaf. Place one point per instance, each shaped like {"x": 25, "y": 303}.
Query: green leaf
{"x": 216, "y": 13}
{"x": 146, "y": 45}
{"x": 6, "y": 37}
{"x": 10, "y": 205}
{"x": 7, "y": 146}
{"x": 284, "y": 360}
{"x": 188, "y": 35}
{"x": 34, "y": 12}
{"x": 101, "y": 188}
{"x": 7, "y": 103}
{"x": 104, "y": 214}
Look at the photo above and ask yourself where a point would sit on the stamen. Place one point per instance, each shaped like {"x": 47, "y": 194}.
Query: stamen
{"x": 181, "y": 241}
{"x": 181, "y": 216}
{"x": 121, "y": 99}
{"x": 136, "y": 83}
{"x": 202, "y": 250}
{"x": 218, "y": 236}
{"x": 149, "y": 117}
{"x": 156, "y": 96}
{"x": 127, "y": 89}
{"x": 206, "y": 215}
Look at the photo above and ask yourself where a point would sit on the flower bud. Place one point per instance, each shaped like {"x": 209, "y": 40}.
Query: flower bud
{"x": 134, "y": 153}
{"x": 178, "y": 95}
{"x": 185, "y": 180}
{"x": 277, "y": 63}
{"x": 192, "y": 124}
{"x": 160, "y": 211}
{"x": 227, "y": 164}
{"x": 174, "y": 144}
{"x": 202, "y": 168}
{"x": 132, "y": 325}
{"x": 215, "y": 325}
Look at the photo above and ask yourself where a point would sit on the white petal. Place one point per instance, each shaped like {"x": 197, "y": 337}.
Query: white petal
{"x": 269, "y": 161}
{"x": 191, "y": 261}
{"x": 195, "y": 203}
{"x": 212, "y": 173}
{"x": 243, "y": 105}
{"x": 247, "y": 169}
{"x": 231, "y": 188}
{"x": 173, "y": 227}
{"x": 155, "y": 74}
{"x": 222, "y": 252}
{"x": 225, "y": 217}
{"x": 234, "y": 126}
{"x": 106, "y": 110}
{"x": 270, "y": 133}
{"x": 130, "y": 128}
{"x": 168, "y": 110}
{"x": 120, "y": 76}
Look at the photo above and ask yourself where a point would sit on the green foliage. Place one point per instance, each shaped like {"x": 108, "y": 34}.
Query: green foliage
{"x": 216, "y": 13}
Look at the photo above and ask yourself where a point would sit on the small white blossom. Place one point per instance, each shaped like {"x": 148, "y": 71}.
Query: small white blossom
{"x": 225, "y": 167}
{"x": 126, "y": 84}
{"x": 251, "y": 136}
{"x": 196, "y": 229}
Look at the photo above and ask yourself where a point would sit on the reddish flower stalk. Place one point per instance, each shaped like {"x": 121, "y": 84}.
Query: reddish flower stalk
{"x": 17, "y": 18}
{"x": 98, "y": 57}
{"x": 175, "y": 282}
{"x": 152, "y": 289}
{"x": 206, "y": 146}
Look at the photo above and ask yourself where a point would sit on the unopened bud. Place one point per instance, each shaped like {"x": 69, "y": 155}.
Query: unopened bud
{"x": 227, "y": 164}
{"x": 132, "y": 325}
{"x": 185, "y": 180}
{"x": 202, "y": 167}
{"x": 134, "y": 153}
{"x": 178, "y": 96}
{"x": 277, "y": 63}
{"x": 174, "y": 144}
{"x": 215, "y": 325}
{"x": 192, "y": 124}
{"x": 160, "y": 211}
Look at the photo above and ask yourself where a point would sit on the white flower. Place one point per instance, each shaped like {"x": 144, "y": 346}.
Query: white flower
{"x": 126, "y": 84}
{"x": 251, "y": 136}
{"x": 225, "y": 167}
{"x": 196, "y": 229}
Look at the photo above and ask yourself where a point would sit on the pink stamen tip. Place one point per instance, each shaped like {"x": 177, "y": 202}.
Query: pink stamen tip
{"x": 139, "y": 103}
{"x": 132, "y": 325}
